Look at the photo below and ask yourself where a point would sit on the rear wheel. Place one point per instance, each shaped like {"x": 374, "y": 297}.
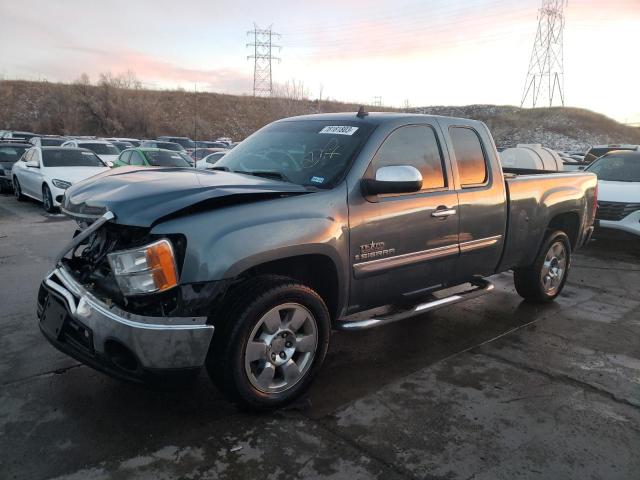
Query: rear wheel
{"x": 271, "y": 342}
{"x": 544, "y": 280}
{"x": 47, "y": 200}
{"x": 17, "y": 191}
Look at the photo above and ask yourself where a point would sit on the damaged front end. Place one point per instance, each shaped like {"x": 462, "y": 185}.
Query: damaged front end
{"x": 85, "y": 311}
{"x": 88, "y": 257}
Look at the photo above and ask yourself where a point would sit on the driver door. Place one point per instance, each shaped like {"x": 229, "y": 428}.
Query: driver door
{"x": 404, "y": 245}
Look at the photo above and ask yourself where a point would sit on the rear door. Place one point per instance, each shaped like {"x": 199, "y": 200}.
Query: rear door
{"x": 481, "y": 196}
{"x": 400, "y": 245}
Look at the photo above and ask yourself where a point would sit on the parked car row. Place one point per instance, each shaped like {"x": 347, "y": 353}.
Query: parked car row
{"x": 177, "y": 144}
{"x": 44, "y": 167}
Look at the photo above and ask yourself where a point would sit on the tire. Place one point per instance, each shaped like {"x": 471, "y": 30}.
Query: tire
{"x": 544, "y": 280}
{"x": 270, "y": 341}
{"x": 47, "y": 200}
{"x": 17, "y": 191}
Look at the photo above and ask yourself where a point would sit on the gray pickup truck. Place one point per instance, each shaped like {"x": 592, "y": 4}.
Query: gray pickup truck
{"x": 311, "y": 224}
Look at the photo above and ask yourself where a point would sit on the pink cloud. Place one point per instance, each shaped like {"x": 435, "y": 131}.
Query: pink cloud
{"x": 153, "y": 70}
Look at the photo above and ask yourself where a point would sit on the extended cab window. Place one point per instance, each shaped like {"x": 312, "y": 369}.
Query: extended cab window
{"x": 472, "y": 166}
{"x": 414, "y": 145}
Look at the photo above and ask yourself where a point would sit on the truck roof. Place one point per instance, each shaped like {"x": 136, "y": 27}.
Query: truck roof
{"x": 376, "y": 118}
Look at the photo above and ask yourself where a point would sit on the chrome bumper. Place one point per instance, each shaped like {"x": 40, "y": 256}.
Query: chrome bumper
{"x": 156, "y": 342}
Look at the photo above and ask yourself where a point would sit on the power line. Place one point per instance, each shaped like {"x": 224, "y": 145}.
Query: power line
{"x": 262, "y": 57}
{"x": 546, "y": 66}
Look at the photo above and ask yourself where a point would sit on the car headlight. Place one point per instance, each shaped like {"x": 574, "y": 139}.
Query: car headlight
{"x": 61, "y": 183}
{"x": 148, "y": 269}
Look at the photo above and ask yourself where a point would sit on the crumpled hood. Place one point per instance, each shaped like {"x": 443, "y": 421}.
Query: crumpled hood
{"x": 142, "y": 196}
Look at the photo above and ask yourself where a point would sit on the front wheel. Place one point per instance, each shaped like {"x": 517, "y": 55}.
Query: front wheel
{"x": 47, "y": 199}
{"x": 270, "y": 343}
{"x": 17, "y": 191}
{"x": 543, "y": 281}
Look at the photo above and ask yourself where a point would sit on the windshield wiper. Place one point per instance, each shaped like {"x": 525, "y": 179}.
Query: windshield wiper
{"x": 266, "y": 174}
{"x": 222, "y": 169}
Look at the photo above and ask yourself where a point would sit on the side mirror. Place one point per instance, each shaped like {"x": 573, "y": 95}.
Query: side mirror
{"x": 393, "y": 179}
{"x": 109, "y": 163}
{"x": 581, "y": 167}
{"x": 33, "y": 164}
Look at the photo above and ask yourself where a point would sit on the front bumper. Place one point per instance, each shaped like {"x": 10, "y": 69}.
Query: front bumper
{"x": 113, "y": 340}
{"x": 629, "y": 224}
{"x": 56, "y": 195}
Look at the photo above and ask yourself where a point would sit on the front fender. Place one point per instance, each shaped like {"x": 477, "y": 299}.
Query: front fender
{"x": 224, "y": 242}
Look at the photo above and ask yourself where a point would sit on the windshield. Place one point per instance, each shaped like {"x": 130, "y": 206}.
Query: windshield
{"x": 306, "y": 152}
{"x": 11, "y": 154}
{"x": 185, "y": 142}
{"x": 167, "y": 159}
{"x": 617, "y": 168}
{"x": 100, "y": 148}
{"x": 66, "y": 157}
{"x": 52, "y": 142}
{"x": 122, "y": 145}
{"x": 175, "y": 147}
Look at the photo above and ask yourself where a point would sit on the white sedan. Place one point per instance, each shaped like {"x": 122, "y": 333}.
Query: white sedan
{"x": 44, "y": 173}
{"x": 618, "y": 190}
{"x": 107, "y": 152}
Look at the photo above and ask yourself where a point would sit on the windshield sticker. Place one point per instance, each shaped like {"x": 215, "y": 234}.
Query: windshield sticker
{"x": 87, "y": 153}
{"x": 339, "y": 130}
{"x": 317, "y": 179}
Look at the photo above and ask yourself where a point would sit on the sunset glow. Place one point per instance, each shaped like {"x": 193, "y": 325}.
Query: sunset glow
{"x": 416, "y": 52}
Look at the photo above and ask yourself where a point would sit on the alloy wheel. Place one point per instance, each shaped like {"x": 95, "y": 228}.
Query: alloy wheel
{"x": 554, "y": 268}
{"x": 281, "y": 348}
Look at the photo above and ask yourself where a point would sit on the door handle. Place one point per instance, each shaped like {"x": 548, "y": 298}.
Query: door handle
{"x": 443, "y": 212}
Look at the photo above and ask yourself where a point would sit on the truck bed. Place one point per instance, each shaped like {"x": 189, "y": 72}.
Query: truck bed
{"x": 534, "y": 199}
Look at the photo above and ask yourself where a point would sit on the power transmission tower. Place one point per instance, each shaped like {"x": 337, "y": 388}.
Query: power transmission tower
{"x": 377, "y": 101}
{"x": 545, "y": 78}
{"x": 262, "y": 57}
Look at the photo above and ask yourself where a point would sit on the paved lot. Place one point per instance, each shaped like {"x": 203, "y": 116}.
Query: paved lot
{"x": 493, "y": 388}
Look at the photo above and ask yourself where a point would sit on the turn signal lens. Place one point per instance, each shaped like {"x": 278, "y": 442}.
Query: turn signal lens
{"x": 162, "y": 264}
{"x": 148, "y": 269}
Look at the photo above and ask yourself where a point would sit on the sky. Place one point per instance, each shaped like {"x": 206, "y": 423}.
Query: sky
{"x": 415, "y": 52}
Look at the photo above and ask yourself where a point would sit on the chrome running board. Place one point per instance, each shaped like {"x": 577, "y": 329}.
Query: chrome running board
{"x": 479, "y": 287}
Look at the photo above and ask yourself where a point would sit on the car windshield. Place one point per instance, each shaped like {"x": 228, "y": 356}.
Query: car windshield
{"x": 122, "y": 145}
{"x": 617, "y": 168}
{"x": 306, "y": 152}
{"x": 175, "y": 147}
{"x": 185, "y": 142}
{"x": 66, "y": 157}
{"x": 100, "y": 148}
{"x": 167, "y": 159}
{"x": 52, "y": 142}
{"x": 11, "y": 154}
{"x": 213, "y": 158}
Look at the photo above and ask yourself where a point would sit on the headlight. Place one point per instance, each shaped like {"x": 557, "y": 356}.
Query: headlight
{"x": 147, "y": 269}
{"x": 61, "y": 183}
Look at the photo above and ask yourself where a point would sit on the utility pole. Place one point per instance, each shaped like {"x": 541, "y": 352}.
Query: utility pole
{"x": 545, "y": 77}
{"x": 262, "y": 57}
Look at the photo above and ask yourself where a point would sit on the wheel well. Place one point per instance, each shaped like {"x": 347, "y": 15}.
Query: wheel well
{"x": 569, "y": 223}
{"x": 316, "y": 271}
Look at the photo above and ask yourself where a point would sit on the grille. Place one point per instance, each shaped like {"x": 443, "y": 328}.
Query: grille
{"x": 615, "y": 210}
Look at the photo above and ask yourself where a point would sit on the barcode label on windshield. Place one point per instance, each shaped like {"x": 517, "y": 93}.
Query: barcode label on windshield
{"x": 339, "y": 130}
